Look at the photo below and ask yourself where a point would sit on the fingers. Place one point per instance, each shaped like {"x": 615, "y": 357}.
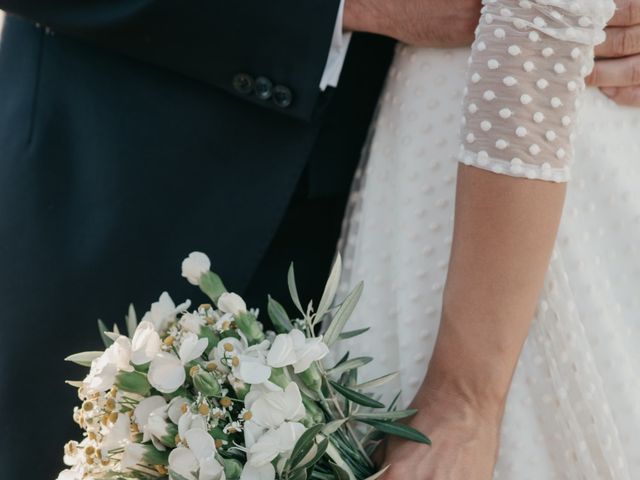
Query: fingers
{"x": 620, "y": 42}
{"x": 619, "y": 72}
{"x": 627, "y": 13}
{"x": 628, "y": 96}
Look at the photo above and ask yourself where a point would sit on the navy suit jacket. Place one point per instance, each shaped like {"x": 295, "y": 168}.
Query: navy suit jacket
{"x": 133, "y": 132}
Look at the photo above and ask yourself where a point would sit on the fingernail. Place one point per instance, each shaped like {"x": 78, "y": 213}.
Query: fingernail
{"x": 609, "y": 91}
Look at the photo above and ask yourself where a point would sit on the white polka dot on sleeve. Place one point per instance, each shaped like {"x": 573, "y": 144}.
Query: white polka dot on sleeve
{"x": 526, "y": 73}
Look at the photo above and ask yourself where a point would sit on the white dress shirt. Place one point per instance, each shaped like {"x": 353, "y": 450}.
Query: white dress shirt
{"x": 337, "y": 53}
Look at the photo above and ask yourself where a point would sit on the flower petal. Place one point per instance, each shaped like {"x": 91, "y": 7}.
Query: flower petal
{"x": 183, "y": 462}
{"x": 166, "y": 373}
{"x": 264, "y": 472}
{"x": 282, "y": 352}
{"x": 251, "y": 371}
{"x": 200, "y": 443}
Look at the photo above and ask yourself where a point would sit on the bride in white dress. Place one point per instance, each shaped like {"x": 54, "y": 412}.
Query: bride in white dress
{"x": 573, "y": 407}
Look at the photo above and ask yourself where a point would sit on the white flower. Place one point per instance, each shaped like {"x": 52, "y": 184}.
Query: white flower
{"x": 192, "y": 322}
{"x": 194, "y": 266}
{"x": 104, "y": 369}
{"x": 231, "y": 303}
{"x": 271, "y": 409}
{"x": 197, "y": 460}
{"x": 251, "y": 366}
{"x": 146, "y": 343}
{"x": 164, "y": 311}
{"x": 295, "y": 349}
{"x": 159, "y": 429}
{"x": 189, "y": 421}
{"x": 263, "y": 448}
{"x": 132, "y": 456}
{"x": 69, "y": 474}
{"x": 166, "y": 372}
{"x": 118, "y": 435}
{"x": 176, "y": 406}
{"x": 143, "y": 412}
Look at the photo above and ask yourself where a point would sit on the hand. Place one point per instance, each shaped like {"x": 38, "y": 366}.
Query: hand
{"x": 427, "y": 23}
{"x": 465, "y": 442}
{"x": 617, "y": 69}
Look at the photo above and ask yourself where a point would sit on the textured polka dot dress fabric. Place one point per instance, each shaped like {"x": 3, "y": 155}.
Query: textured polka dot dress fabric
{"x": 573, "y": 411}
{"x": 527, "y": 70}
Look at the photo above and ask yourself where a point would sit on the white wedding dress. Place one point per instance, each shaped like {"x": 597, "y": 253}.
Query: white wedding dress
{"x": 574, "y": 407}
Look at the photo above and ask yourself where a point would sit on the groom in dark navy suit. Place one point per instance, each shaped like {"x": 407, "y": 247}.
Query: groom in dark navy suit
{"x": 135, "y": 131}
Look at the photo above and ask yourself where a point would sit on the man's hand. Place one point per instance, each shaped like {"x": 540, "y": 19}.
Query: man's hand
{"x": 617, "y": 69}
{"x": 427, "y": 23}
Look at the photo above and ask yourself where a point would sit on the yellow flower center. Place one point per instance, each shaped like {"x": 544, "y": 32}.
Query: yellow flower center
{"x": 226, "y": 402}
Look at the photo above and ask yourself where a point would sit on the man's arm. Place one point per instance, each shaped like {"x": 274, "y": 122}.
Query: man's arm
{"x": 272, "y": 54}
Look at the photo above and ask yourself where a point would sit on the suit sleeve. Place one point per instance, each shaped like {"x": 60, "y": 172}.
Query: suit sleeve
{"x": 271, "y": 53}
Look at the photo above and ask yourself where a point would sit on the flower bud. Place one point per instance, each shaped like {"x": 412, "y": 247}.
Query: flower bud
{"x": 313, "y": 413}
{"x": 232, "y": 303}
{"x": 248, "y": 324}
{"x": 312, "y": 378}
{"x": 133, "y": 382}
{"x": 232, "y": 469}
{"x": 194, "y": 266}
{"x": 206, "y": 383}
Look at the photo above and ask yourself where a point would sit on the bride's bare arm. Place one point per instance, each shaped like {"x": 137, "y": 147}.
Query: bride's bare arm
{"x": 504, "y": 233}
{"x": 526, "y": 75}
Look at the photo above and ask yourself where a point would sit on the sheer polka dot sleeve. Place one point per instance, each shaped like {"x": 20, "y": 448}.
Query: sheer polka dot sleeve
{"x": 527, "y": 70}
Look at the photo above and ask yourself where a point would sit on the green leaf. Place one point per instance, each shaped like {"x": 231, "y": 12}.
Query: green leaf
{"x": 394, "y": 402}
{"x": 342, "y": 315}
{"x": 299, "y": 475}
{"x": 353, "y": 333}
{"x": 212, "y": 286}
{"x": 334, "y": 426}
{"x": 376, "y": 382}
{"x": 103, "y": 334}
{"x": 330, "y": 289}
{"x": 350, "y": 365}
{"x": 83, "y": 359}
{"x": 131, "y": 320}
{"x": 356, "y": 397}
{"x": 293, "y": 290}
{"x": 278, "y": 316}
{"x": 319, "y": 452}
{"x": 398, "y": 430}
{"x": 304, "y": 444}
{"x": 394, "y": 415}
{"x": 339, "y": 473}
{"x": 133, "y": 382}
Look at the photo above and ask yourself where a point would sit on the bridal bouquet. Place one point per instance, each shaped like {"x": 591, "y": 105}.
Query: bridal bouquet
{"x": 208, "y": 394}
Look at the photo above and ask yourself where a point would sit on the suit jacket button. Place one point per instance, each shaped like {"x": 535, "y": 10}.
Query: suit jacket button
{"x": 282, "y": 96}
{"x": 263, "y": 88}
{"x": 243, "y": 83}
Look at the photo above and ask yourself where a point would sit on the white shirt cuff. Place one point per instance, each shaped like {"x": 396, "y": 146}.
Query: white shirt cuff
{"x": 337, "y": 53}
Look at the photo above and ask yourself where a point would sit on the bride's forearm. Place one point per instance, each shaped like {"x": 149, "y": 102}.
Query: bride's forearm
{"x": 504, "y": 233}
